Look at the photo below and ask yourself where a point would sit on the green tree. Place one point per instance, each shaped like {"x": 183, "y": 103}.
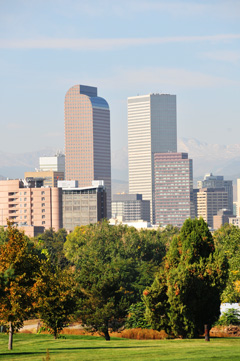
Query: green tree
{"x": 56, "y": 296}
{"x": 3, "y": 235}
{"x": 18, "y": 268}
{"x": 136, "y": 316}
{"x": 186, "y": 292}
{"x": 227, "y": 240}
{"x": 230, "y": 317}
{"x": 50, "y": 244}
{"x": 105, "y": 275}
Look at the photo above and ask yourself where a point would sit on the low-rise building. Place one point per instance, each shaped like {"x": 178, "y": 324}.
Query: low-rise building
{"x": 82, "y": 206}
{"x": 221, "y": 218}
{"x": 49, "y": 178}
{"x": 131, "y": 207}
{"x": 30, "y": 204}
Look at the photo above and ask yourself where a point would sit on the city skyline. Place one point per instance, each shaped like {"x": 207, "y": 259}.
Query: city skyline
{"x": 186, "y": 48}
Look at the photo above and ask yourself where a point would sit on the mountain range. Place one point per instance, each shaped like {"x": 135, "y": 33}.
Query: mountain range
{"x": 217, "y": 159}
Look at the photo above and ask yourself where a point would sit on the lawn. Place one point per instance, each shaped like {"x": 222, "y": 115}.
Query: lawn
{"x": 33, "y": 347}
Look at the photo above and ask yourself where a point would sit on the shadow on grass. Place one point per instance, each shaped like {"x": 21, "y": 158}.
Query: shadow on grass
{"x": 57, "y": 349}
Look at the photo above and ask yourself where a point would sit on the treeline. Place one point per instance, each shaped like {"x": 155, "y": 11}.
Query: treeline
{"x": 172, "y": 280}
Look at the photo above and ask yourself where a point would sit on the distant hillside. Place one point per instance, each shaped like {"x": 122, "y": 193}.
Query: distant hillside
{"x": 214, "y": 158}
{"x": 14, "y": 165}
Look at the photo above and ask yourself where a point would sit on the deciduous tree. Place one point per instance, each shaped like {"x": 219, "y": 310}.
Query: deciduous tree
{"x": 227, "y": 239}
{"x": 56, "y": 296}
{"x": 18, "y": 268}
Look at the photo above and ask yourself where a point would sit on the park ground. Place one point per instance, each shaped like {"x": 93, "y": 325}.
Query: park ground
{"x": 87, "y": 348}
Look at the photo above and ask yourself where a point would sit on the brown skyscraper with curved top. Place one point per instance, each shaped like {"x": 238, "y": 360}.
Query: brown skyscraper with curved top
{"x": 87, "y": 138}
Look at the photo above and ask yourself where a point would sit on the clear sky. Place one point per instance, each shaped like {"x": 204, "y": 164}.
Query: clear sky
{"x": 190, "y": 48}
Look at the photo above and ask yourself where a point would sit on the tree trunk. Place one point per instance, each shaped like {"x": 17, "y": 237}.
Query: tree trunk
{"x": 106, "y": 335}
{"x": 10, "y": 336}
{"x": 207, "y": 338}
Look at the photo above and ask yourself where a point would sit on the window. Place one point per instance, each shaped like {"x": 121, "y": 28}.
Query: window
{"x": 42, "y": 192}
{"x": 25, "y": 193}
{"x": 43, "y": 222}
{"x": 43, "y": 216}
{"x": 43, "y": 204}
{"x": 43, "y": 198}
{"x": 25, "y": 204}
{"x": 43, "y": 210}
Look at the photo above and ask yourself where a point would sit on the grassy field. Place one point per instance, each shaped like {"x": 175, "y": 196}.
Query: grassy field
{"x": 86, "y": 348}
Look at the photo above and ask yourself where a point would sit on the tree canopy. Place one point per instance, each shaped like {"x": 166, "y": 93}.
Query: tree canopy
{"x": 113, "y": 264}
{"x": 18, "y": 267}
{"x": 186, "y": 292}
{"x": 56, "y": 296}
{"x": 50, "y": 244}
{"x": 227, "y": 240}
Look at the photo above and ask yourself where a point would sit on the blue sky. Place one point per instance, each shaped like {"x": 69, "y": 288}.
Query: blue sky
{"x": 125, "y": 48}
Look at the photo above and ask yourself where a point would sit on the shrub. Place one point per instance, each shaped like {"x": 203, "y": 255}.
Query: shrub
{"x": 136, "y": 318}
{"x": 230, "y": 317}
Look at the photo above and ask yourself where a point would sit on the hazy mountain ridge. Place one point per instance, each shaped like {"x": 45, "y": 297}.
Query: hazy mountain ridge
{"x": 215, "y": 158}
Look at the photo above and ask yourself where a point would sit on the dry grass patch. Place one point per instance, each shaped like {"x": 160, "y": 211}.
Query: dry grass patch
{"x": 141, "y": 334}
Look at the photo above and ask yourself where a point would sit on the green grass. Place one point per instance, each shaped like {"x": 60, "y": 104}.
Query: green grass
{"x": 86, "y": 348}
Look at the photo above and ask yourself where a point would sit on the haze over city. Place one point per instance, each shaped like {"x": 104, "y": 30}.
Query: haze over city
{"x": 187, "y": 48}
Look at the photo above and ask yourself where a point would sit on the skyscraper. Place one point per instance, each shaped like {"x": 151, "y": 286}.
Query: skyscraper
{"x": 152, "y": 128}
{"x": 173, "y": 188}
{"x": 87, "y": 138}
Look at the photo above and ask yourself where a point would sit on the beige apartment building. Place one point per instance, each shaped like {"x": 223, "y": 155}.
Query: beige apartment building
{"x": 25, "y": 205}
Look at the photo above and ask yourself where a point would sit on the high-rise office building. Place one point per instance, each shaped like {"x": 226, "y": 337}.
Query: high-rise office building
{"x": 173, "y": 188}
{"x": 152, "y": 128}
{"x": 87, "y": 138}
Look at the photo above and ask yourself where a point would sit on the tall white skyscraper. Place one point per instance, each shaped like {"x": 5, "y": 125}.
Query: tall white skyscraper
{"x": 152, "y": 128}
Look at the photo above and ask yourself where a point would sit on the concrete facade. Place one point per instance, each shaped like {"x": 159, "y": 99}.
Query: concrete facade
{"x": 152, "y": 128}
{"x": 82, "y": 206}
{"x": 87, "y": 138}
